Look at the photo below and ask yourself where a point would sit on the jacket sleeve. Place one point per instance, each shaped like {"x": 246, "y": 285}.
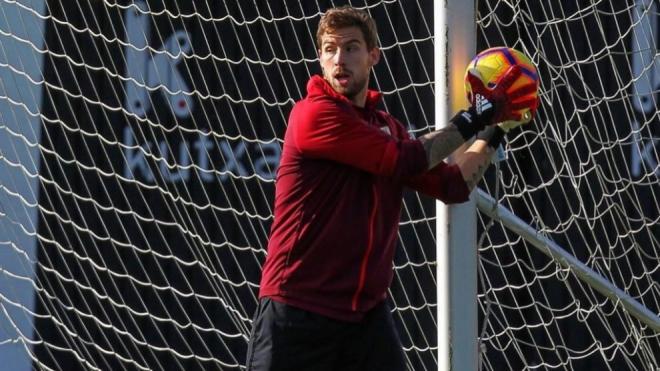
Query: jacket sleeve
{"x": 444, "y": 182}
{"x": 327, "y": 129}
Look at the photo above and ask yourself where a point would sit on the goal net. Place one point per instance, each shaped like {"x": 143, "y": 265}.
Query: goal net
{"x": 585, "y": 176}
{"x": 138, "y": 149}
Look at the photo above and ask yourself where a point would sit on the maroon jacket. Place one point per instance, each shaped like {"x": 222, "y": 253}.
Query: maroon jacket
{"x": 338, "y": 199}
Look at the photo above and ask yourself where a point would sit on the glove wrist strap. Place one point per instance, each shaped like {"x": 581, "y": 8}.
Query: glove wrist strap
{"x": 468, "y": 123}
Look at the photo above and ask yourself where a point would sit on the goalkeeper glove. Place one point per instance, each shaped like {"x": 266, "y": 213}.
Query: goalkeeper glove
{"x": 508, "y": 104}
{"x": 495, "y": 105}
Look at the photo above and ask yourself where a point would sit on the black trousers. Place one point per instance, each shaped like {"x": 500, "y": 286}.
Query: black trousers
{"x": 287, "y": 338}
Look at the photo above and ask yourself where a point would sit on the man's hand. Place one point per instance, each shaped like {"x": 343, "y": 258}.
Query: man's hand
{"x": 502, "y": 105}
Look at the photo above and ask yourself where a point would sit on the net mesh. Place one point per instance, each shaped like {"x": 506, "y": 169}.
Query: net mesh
{"x": 584, "y": 175}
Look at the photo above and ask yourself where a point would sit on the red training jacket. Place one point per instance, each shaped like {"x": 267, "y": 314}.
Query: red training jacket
{"x": 338, "y": 196}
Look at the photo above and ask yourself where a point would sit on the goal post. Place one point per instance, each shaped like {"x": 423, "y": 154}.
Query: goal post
{"x": 456, "y": 226}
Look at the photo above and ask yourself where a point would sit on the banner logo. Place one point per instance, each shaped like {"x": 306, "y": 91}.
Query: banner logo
{"x": 154, "y": 73}
{"x": 155, "y": 77}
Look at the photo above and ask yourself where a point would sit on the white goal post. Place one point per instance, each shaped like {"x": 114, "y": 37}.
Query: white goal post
{"x": 456, "y": 226}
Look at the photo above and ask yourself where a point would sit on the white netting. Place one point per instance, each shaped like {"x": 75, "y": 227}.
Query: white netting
{"x": 586, "y": 176}
{"x": 140, "y": 140}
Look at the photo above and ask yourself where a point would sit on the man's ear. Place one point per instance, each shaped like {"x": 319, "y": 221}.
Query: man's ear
{"x": 374, "y": 55}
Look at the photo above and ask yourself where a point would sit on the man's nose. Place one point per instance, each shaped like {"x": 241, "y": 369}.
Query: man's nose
{"x": 339, "y": 57}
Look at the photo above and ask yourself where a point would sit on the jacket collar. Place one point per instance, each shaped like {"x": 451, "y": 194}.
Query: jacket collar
{"x": 317, "y": 85}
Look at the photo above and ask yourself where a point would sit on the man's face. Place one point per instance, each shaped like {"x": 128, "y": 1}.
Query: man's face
{"x": 346, "y": 62}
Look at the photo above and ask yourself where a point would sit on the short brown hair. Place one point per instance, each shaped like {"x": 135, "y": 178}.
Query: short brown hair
{"x": 347, "y": 16}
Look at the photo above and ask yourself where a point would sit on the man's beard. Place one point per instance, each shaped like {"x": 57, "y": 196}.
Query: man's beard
{"x": 354, "y": 87}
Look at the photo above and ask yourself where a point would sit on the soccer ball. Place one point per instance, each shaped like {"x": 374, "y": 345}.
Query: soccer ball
{"x": 492, "y": 63}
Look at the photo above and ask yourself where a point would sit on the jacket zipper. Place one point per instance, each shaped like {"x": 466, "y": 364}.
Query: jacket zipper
{"x": 367, "y": 253}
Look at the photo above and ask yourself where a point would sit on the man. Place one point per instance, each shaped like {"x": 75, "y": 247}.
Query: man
{"x": 337, "y": 205}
